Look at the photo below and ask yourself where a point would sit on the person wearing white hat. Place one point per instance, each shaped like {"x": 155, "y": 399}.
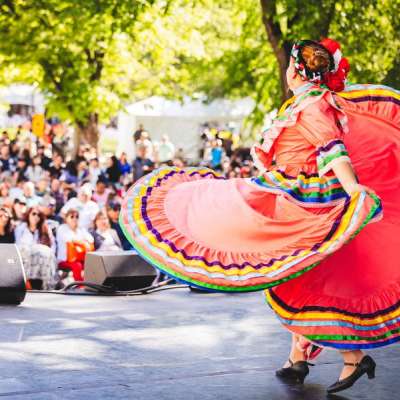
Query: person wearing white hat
{"x": 86, "y": 207}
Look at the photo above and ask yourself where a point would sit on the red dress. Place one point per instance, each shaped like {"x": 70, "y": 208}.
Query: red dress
{"x": 291, "y": 229}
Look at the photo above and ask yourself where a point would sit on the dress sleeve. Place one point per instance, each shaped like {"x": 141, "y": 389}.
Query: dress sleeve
{"x": 319, "y": 124}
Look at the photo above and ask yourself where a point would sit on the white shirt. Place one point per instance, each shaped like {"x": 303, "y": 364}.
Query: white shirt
{"x": 166, "y": 151}
{"x": 94, "y": 174}
{"x": 34, "y": 173}
{"x": 109, "y": 242}
{"x": 24, "y": 236}
{"x": 65, "y": 234}
{"x": 87, "y": 211}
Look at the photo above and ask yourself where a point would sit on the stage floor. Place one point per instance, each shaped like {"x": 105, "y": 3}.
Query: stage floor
{"x": 173, "y": 344}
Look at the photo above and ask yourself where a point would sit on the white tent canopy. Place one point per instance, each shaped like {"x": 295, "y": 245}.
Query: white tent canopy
{"x": 221, "y": 108}
{"x": 181, "y": 121}
{"x": 19, "y": 94}
{"x": 27, "y": 95}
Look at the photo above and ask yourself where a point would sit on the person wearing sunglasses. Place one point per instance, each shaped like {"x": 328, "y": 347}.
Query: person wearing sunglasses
{"x": 6, "y": 228}
{"x": 37, "y": 246}
{"x": 70, "y": 232}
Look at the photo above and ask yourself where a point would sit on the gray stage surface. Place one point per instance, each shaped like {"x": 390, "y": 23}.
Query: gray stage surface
{"x": 168, "y": 345}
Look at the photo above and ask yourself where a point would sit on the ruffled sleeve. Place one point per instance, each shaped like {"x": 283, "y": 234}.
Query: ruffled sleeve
{"x": 320, "y": 124}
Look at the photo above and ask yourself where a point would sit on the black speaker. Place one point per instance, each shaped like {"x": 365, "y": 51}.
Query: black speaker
{"x": 12, "y": 275}
{"x": 122, "y": 270}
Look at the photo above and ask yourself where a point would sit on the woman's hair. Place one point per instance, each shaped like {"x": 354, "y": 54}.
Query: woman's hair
{"x": 8, "y": 227}
{"x": 44, "y": 236}
{"x": 317, "y": 58}
{"x": 321, "y": 63}
{"x": 71, "y": 168}
{"x": 98, "y": 216}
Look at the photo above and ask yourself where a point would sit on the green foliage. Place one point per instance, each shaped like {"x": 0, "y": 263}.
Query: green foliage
{"x": 93, "y": 56}
{"x": 65, "y": 46}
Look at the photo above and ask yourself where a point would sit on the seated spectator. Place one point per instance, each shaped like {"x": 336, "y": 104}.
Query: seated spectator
{"x": 141, "y": 164}
{"x": 30, "y": 195}
{"x": 70, "y": 173}
{"x": 19, "y": 210}
{"x": 124, "y": 165}
{"x": 113, "y": 210}
{"x": 56, "y": 167}
{"x": 35, "y": 172}
{"x": 70, "y": 234}
{"x": 21, "y": 167}
{"x": 37, "y": 246}
{"x": 5, "y": 198}
{"x": 57, "y": 194}
{"x": 86, "y": 207}
{"x": 43, "y": 187}
{"x": 94, "y": 171}
{"x": 6, "y": 228}
{"x": 101, "y": 193}
{"x": 7, "y": 163}
{"x": 48, "y": 208}
{"x": 17, "y": 191}
{"x": 82, "y": 171}
{"x": 113, "y": 172}
{"x": 44, "y": 160}
{"x": 14, "y": 148}
{"x": 105, "y": 238}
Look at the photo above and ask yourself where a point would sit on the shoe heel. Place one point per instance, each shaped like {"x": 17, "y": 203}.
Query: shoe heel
{"x": 301, "y": 379}
{"x": 371, "y": 373}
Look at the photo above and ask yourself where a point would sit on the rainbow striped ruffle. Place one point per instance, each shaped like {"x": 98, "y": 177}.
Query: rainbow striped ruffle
{"x": 307, "y": 190}
{"x": 147, "y": 226}
{"x": 340, "y": 328}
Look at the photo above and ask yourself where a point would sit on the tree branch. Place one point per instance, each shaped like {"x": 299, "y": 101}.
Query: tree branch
{"x": 274, "y": 34}
{"x": 326, "y": 22}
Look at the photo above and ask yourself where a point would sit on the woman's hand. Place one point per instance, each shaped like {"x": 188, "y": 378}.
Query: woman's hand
{"x": 357, "y": 187}
{"x": 344, "y": 172}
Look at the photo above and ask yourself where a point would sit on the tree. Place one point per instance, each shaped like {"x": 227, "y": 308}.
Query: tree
{"x": 367, "y": 29}
{"x": 69, "y": 45}
{"x": 255, "y": 63}
{"x": 284, "y": 20}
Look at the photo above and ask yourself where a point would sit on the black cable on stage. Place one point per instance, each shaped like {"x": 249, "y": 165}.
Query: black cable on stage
{"x": 101, "y": 290}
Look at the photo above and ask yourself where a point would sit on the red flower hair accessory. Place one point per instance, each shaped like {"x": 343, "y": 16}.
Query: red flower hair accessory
{"x": 336, "y": 78}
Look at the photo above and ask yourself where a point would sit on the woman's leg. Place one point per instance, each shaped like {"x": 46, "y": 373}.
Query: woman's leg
{"x": 77, "y": 268}
{"x": 351, "y": 357}
{"x": 296, "y": 352}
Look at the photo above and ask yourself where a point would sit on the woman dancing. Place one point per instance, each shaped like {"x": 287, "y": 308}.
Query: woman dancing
{"x": 303, "y": 229}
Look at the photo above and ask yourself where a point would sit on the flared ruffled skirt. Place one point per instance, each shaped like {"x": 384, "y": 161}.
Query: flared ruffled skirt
{"x": 352, "y": 299}
{"x": 329, "y": 273}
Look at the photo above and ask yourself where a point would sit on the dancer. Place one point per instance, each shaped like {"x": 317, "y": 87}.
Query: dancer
{"x": 303, "y": 229}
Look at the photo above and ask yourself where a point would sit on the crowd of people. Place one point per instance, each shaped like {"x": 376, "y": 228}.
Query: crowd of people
{"x": 57, "y": 207}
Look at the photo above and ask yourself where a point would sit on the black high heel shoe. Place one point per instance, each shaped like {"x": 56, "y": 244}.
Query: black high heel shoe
{"x": 365, "y": 366}
{"x": 297, "y": 371}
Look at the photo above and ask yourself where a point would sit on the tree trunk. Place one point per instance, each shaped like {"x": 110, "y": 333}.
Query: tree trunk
{"x": 87, "y": 132}
{"x": 280, "y": 47}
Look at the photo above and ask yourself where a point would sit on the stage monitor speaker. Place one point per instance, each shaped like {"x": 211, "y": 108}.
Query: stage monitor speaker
{"x": 122, "y": 270}
{"x": 12, "y": 275}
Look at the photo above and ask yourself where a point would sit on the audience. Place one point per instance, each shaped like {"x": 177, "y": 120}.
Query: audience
{"x": 56, "y": 208}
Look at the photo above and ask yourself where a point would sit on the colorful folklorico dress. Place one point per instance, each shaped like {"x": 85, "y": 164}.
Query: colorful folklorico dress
{"x": 330, "y": 273}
